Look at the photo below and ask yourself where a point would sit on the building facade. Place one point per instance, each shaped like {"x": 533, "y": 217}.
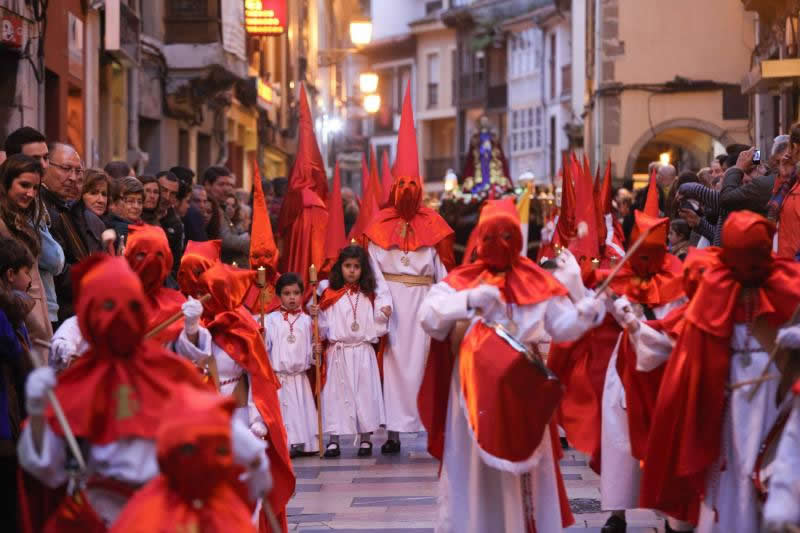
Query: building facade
{"x": 687, "y": 104}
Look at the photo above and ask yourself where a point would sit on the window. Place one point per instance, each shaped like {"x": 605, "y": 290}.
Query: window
{"x": 552, "y": 66}
{"x": 526, "y": 129}
{"x": 433, "y": 80}
{"x": 453, "y": 75}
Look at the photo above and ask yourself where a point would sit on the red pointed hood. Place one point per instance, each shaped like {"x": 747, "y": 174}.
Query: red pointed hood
{"x": 369, "y": 202}
{"x": 308, "y": 184}
{"x": 263, "y": 251}
{"x": 566, "y": 228}
{"x": 651, "y": 204}
{"x": 335, "y": 238}
{"x": 407, "y": 195}
{"x": 387, "y": 181}
{"x": 584, "y": 246}
{"x": 602, "y": 203}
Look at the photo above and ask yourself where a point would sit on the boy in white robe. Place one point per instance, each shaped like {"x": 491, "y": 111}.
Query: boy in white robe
{"x": 287, "y": 333}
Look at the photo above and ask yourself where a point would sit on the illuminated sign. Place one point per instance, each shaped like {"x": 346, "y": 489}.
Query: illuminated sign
{"x": 264, "y": 92}
{"x": 265, "y": 17}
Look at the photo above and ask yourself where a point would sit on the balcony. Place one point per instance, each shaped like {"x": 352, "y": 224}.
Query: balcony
{"x": 192, "y": 22}
{"x": 121, "y": 32}
{"x": 472, "y": 88}
{"x": 566, "y": 80}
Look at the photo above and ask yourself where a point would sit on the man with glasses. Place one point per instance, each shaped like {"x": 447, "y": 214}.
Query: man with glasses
{"x": 76, "y": 229}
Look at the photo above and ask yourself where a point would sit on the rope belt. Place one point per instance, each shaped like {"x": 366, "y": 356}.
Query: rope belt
{"x": 409, "y": 280}
{"x": 231, "y": 380}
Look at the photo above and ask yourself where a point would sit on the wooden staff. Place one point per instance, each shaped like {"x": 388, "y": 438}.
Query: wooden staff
{"x": 772, "y": 355}
{"x": 628, "y": 255}
{"x": 171, "y": 320}
{"x": 261, "y": 281}
{"x": 62, "y": 419}
{"x": 312, "y": 278}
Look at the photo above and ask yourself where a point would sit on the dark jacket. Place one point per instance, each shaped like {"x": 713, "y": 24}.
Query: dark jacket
{"x": 734, "y": 196}
{"x": 173, "y": 227}
{"x": 194, "y": 226}
{"x": 79, "y": 232}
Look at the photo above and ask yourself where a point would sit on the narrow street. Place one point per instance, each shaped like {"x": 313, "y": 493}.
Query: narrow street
{"x": 398, "y": 494}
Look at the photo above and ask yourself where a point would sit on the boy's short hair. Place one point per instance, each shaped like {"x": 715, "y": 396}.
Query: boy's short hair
{"x": 290, "y": 278}
{"x": 13, "y": 255}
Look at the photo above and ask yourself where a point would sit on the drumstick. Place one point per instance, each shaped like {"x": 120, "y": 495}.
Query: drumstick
{"x": 171, "y": 320}
{"x": 754, "y": 381}
{"x": 772, "y": 355}
{"x": 62, "y": 419}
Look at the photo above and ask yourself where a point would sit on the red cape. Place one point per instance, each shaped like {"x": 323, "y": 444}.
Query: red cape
{"x": 686, "y": 427}
{"x": 107, "y": 398}
{"x": 238, "y": 334}
{"x": 581, "y": 366}
{"x": 304, "y": 238}
{"x": 427, "y": 228}
{"x": 160, "y": 306}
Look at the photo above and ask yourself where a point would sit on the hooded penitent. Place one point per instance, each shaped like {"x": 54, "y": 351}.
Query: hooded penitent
{"x": 238, "y": 334}
{"x": 198, "y": 257}
{"x": 406, "y": 224}
{"x": 304, "y": 215}
{"x": 149, "y": 255}
{"x": 335, "y": 238}
{"x": 197, "y": 489}
{"x": 263, "y": 253}
{"x": 118, "y": 388}
{"x": 743, "y": 283}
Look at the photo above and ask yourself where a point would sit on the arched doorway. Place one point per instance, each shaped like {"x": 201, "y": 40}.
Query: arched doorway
{"x": 691, "y": 144}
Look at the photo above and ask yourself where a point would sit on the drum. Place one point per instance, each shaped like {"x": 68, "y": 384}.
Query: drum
{"x": 509, "y": 396}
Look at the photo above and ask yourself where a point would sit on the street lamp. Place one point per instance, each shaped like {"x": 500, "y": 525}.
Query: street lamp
{"x": 368, "y": 82}
{"x": 372, "y": 102}
{"x": 360, "y": 32}
{"x": 664, "y": 158}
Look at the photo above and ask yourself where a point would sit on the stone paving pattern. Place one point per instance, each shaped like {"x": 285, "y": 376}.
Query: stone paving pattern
{"x": 398, "y": 494}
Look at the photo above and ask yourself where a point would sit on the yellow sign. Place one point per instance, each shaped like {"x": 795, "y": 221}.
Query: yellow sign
{"x": 265, "y": 17}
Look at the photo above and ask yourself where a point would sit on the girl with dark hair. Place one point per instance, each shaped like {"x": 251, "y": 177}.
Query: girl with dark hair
{"x": 21, "y": 217}
{"x": 287, "y": 334}
{"x": 351, "y": 320}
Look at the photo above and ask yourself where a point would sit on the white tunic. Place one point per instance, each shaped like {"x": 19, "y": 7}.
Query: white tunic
{"x": 290, "y": 360}
{"x": 407, "y": 349}
{"x": 783, "y": 503}
{"x": 745, "y": 426}
{"x": 621, "y": 474}
{"x": 475, "y": 497}
{"x": 131, "y": 461}
{"x": 351, "y": 400}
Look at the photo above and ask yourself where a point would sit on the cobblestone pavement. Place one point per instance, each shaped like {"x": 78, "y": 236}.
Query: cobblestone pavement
{"x": 398, "y": 494}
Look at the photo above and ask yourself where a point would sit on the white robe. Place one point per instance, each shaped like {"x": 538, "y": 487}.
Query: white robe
{"x": 621, "y": 475}
{"x": 351, "y": 400}
{"x": 745, "y": 426}
{"x": 290, "y": 362}
{"x": 783, "y": 503}
{"x": 132, "y": 461}
{"x": 407, "y": 350}
{"x": 475, "y": 497}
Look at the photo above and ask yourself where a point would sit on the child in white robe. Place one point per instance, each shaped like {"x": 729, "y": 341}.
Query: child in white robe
{"x": 352, "y": 400}
{"x": 287, "y": 334}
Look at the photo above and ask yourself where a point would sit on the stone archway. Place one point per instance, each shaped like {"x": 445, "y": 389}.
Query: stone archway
{"x": 708, "y": 128}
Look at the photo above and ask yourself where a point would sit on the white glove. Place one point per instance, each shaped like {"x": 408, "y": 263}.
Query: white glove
{"x": 250, "y": 452}
{"x": 192, "y": 311}
{"x": 61, "y": 351}
{"x": 623, "y": 312}
{"x": 484, "y": 297}
{"x": 547, "y": 233}
{"x": 591, "y": 309}
{"x": 568, "y": 272}
{"x": 259, "y": 429}
{"x": 40, "y": 382}
{"x": 789, "y": 338}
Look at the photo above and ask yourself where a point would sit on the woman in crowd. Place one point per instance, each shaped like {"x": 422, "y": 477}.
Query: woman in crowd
{"x": 234, "y": 218}
{"x": 152, "y": 196}
{"x": 95, "y": 193}
{"x": 127, "y": 201}
{"x": 20, "y": 216}
{"x": 679, "y": 234}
